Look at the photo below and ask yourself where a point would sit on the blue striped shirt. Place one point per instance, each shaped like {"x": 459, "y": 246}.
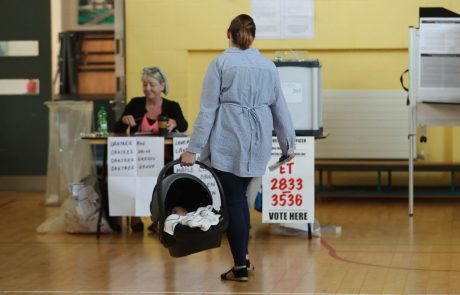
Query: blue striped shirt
{"x": 241, "y": 103}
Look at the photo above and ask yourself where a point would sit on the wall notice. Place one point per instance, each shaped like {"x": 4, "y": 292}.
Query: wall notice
{"x": 283, "y": 19}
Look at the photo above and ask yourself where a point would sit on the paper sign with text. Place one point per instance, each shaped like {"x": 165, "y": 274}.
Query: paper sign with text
{"x": 288, "y": 192}
{"x": 133, "y": 165}
{"x": 179, "y": 146}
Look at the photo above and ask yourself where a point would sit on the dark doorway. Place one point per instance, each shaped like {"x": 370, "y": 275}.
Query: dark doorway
{"x": 24, "y": 117}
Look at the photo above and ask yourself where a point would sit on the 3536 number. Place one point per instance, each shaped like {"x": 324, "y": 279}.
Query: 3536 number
{"x": 286, "y": 186}
{"x": 287, "y": 199}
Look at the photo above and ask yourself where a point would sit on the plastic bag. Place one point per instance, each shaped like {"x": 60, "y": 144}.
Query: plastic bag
{"x": 83, "y": 214}
{"x": 80, "y": 213}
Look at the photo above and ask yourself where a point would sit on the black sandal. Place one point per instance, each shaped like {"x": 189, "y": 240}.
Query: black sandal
{"x": 238, "y": 275}
{"x": 249, "y": 265}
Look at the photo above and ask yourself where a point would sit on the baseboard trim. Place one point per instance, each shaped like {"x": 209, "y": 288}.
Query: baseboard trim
{"x": 23, "y": 183}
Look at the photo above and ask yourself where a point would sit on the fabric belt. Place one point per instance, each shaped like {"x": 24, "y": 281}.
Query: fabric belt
{"x": 254, "y": 122}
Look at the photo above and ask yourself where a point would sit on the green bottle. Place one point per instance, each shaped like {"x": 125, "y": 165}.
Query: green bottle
{"x": 102, "y": 122}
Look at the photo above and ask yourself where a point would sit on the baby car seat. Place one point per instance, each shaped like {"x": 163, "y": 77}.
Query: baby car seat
{"x": 187, "y": 191}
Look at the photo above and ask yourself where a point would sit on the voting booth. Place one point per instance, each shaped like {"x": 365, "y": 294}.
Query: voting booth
{"x": 301, "y": 83}
{"x": 434, "y": 67}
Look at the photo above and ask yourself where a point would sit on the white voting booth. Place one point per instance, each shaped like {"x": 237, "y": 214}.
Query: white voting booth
{"x": 434, "y": 68}
{"x": 301, "y": 83}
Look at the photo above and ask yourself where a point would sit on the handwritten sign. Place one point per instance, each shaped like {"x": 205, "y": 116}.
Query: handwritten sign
{"x": 288, "y": 192}
{"x": 179, "y": 145}
{"x": 133, "y": 165}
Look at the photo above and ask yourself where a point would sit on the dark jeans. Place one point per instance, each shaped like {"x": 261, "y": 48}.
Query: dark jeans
{"x": 238, "y": 211}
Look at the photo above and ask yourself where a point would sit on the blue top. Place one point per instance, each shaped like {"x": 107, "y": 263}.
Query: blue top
{"x": 241, "y": 103}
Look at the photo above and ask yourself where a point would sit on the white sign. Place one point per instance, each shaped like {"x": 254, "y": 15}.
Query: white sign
{"x": 179, "y": 145}
{"x": 283, "y": 19}
{"x": 439, "y": 60}
{"x": 288, "y": 192}
{"x": 133, "y": 165}
{"x": 292, "y": 92}
{"x": 440, "y": 35}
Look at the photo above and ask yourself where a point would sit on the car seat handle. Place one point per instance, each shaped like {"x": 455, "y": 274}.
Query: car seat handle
{"x": 171, "y": 164}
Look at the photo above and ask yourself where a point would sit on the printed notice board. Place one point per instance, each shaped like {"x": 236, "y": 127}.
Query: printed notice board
{"x": 133, "y": 165}
{"x": 288, "y": 192}
{"x": 179, "y": 145}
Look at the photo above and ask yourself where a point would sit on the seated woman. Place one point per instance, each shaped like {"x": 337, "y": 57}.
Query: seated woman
{"x": 141, "y": 115}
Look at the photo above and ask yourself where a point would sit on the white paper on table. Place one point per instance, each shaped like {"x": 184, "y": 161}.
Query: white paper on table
{"x": 145, "y": 186}
{"x": 133, "y": 167}
{"x": 122, "y": 195}
{"x": 121, "y": 158}
{"x": 150, "y": 156}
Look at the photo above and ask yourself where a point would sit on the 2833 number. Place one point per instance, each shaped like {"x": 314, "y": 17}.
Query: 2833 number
{"x": 286, "y": 198}
{"x": 289, "y": 184}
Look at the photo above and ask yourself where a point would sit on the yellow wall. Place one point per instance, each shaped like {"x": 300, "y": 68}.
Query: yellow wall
{"x": 362, "y": 44}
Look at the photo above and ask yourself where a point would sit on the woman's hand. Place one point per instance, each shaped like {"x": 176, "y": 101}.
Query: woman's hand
{"x": 128, "y": 120}
{"x": 171, "y": 125}
{"x": 187, "y": 159}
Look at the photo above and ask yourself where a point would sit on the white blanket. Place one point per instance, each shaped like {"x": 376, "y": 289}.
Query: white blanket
{"x": 203, "y": 218}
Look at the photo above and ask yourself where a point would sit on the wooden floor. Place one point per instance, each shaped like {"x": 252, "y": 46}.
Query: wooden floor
{"x": 380, "y": 250}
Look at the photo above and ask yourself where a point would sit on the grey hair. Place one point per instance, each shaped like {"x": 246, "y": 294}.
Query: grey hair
{"x": 158, "y": 74}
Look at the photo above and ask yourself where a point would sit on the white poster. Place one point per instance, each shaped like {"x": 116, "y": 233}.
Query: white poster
{"x": 179, "y": 146}
{"x": 440, "y": 35}
{"x": 133, "y": 165}
{"x": 439, "y": 60}
{"x": 283, "y": 19}
{"x": 267, "y": 16}
{"x": 289, "y": 191}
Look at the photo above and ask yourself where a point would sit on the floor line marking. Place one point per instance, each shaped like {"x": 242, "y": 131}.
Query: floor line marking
{"x": 7, "y": 203}
{"x": 333, "y": 254}
{"x": 154, "y": 292}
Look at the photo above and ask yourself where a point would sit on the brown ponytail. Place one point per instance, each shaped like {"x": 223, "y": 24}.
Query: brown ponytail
{"x": 243, "y": 31}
